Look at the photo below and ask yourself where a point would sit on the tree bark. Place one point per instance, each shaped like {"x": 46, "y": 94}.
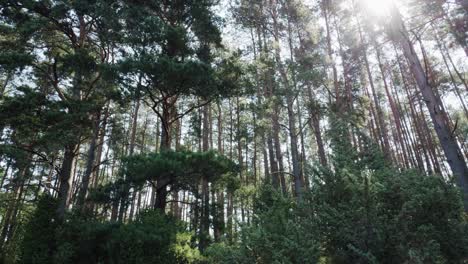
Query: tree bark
{"x": 205, "y": 213}
{"x": 91, "y": 159}
{"x": 65, "y": 180}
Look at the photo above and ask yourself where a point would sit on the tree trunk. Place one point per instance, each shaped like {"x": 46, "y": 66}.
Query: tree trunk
{"x": 97, "y": 171}
{"x": 380, "y": 124}
{"x": 168, "y": 112}
{"x": 325, "y": 6}
{"x": 291, "y": 118}
{"x": 218, "y": 225}
{"x": 452, "y": 78}
{"x": 438, "y": 116}
{"x": 205, "y": 214}
{"x": 161, "y": 197}
{"x": 134, "y": 127}
{"x": 89, "y": 163}
{"x": 391, "y": 102}
{"x": 8, "y": 220}
{"x": 65, "y": 178}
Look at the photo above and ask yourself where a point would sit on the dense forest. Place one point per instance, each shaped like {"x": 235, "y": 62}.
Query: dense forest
{"x": 233, "y": 131}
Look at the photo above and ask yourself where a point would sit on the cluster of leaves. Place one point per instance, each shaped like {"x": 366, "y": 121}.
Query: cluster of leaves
{"x": 152, "y": 238}
{"x": 185, "y": 166}
{"x": 280, "y": 232}
{"x": 181, "y": 170}
{"x": 38, "y": 121}
{"x": 387, "y": 216}
{"x": 177, "y": 59}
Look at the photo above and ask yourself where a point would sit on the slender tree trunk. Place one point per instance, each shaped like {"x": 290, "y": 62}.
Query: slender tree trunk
{"x": 325, "y": 6}
{"x": 391, "y": 102}
{"x": 452, "y": 78}
{"x": 413, "y": 139}
{"x": 230, "y": 216}
{"x": 134, "y": 126}
{"x": 205, "y": 214}
{"x": 314, "y": 111}
{"x": 438, "y": 116}
{"x": 290, "y": 100}
{"x": 218, "y": 225}
{"x": 91, "y": 159}
{"x": 5, "y": 172}
{"x": 380, "y": 124}
{"x": 298, "y": 184}
{"x": 175, "y": 193}
{"x": 261, "y": 92}
{"x": 302, "y": 156}
{"x": 8, "y": 220}
{"x": 230, "y": 194}
{"x": 277, "y": 171}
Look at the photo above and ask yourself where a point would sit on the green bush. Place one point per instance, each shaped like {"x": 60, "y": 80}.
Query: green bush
{"x": 280, "y": 232}
{"x": 38, "y": 243}
{"x": 389, "y": 217}
{"x": 152, "y": 238}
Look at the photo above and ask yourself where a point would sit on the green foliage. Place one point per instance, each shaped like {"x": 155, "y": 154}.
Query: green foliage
{"x": 279, "y": 233}
{"x": 12, "y": 251}
{"x": 176, "y": 58}
{"x": 181, "y": 169}
{"x": 40, "y": 122}
{"x": 361, "y": 210}
{"x": 369, "y": 212}
{"x": 38, "y": 242}
{"x": 389, "y": 216}
{"x": 151, "y": 238}
{"x": 226, "y": 253}
{"x": 183, "y": 250}
{"x": 147, "y": 240}
{"x": 71, "y": 55}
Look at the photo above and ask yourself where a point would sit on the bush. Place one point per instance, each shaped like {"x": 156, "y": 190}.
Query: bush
{"x": 279, "y": 233}
{"x": 389, "y": 217}
{"x": 152, "y": 238}
{"x": 38, "y": 243}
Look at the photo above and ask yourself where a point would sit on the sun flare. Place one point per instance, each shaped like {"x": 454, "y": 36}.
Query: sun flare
{"x": 377, "y": 7}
